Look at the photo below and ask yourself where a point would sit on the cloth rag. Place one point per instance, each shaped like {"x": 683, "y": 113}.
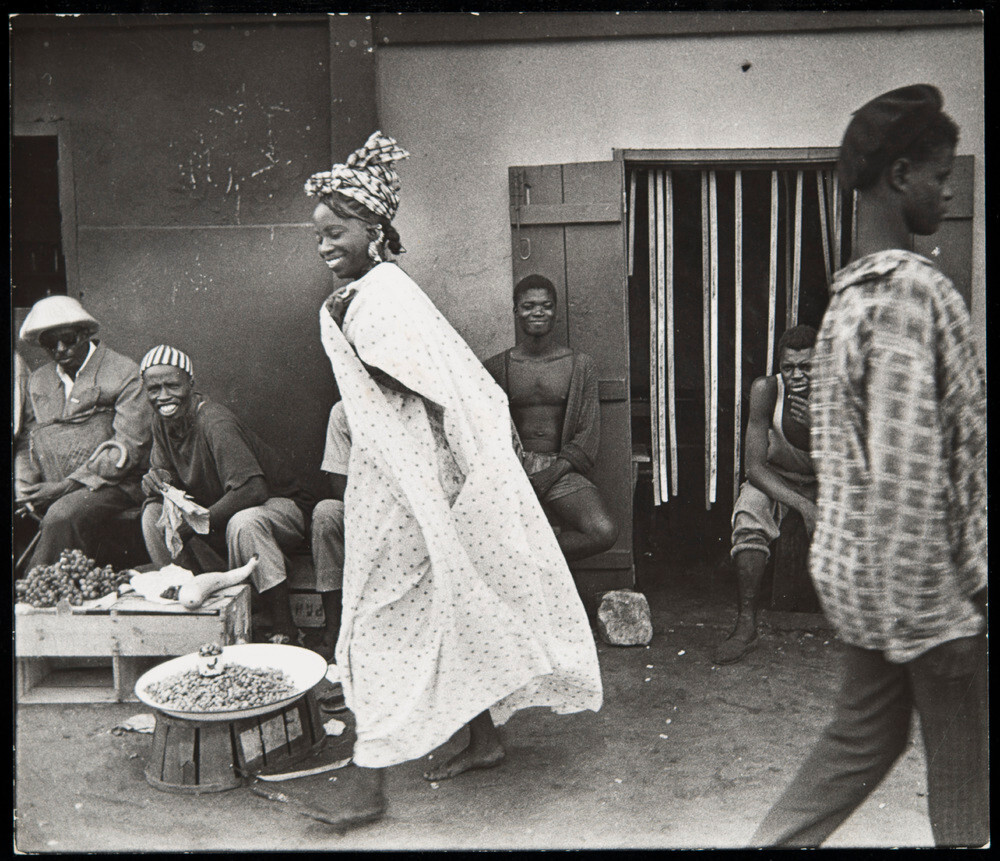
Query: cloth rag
{"x": 179, "y": 507}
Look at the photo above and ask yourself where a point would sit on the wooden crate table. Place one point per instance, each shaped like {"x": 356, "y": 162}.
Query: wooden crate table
{"x": 133, "y": 633}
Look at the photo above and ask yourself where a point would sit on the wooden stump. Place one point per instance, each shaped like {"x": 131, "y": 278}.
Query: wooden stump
{"x": 791, "y": 587}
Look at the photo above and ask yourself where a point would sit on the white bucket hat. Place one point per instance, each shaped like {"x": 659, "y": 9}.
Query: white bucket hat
{"x": 54, "y": 312}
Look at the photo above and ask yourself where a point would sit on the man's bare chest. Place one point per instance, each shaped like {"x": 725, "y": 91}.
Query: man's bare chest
{"x": 536, "y": 383}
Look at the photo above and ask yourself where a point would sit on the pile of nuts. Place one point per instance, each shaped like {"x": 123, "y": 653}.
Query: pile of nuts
{"x": 236, "y": 687}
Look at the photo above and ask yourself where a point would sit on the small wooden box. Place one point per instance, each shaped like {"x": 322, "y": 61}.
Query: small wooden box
{"x": 132, "y": 635}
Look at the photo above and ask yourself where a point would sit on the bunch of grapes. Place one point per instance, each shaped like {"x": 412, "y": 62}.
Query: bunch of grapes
{"x": 73, "y": 577}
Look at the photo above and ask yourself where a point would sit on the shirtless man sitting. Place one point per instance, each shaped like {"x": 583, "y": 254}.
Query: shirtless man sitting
{"x": 555, "y": 407}
{"x": 779, "y": 476}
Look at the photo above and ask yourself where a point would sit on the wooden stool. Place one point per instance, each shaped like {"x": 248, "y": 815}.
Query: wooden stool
{"x": 193, "y": 757}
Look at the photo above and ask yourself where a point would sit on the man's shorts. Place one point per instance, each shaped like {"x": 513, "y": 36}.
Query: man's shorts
{"x": 757, "y": 518}
{"x": 571, "y": 482}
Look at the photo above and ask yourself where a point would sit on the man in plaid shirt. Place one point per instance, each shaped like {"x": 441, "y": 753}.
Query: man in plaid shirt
{"x": 898, "y": 557}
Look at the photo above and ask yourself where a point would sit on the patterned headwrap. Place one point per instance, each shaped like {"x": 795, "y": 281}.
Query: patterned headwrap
{"x": 164, "y": 355}
{"x": 368, "y": 176}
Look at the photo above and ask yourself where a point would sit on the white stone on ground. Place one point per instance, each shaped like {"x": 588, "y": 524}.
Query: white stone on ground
{"x": 623, "y": 618}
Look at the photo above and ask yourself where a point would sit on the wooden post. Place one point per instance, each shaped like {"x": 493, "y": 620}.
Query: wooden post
{"x": 837, "y": 222}
{"x": 793, "y": 307}
{"x": 772, "y": 279}
{"x": 706, "y": 324}
{"x": 824, "y": 235}
{"x": 738, "y": 325}
{"x": 671, "y": 388}
{"x": 661, "y": 462}
{"x": 654, "y": 433}
{"x": 631, "y": 223}
{"x": 713, "y": 241}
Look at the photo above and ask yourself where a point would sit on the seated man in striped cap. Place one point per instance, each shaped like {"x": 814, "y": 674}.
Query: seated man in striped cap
{"x": 255, "y": 506}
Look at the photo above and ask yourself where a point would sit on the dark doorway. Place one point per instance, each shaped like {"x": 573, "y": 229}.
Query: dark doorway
{"x": 38, "y": 268}
{"x": 683, "y": 524}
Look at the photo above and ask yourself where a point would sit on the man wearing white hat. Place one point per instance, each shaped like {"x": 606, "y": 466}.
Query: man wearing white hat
{"x": 85, "y": 434}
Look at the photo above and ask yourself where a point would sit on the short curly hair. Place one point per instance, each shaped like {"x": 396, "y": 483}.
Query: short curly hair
{"x": 535, "y": 282}
{"x": 796, "y": 338}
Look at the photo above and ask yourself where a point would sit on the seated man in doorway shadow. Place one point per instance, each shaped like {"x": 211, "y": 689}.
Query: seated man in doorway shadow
{"x": 779, "y": 476}
{"x": 554, "y": 404}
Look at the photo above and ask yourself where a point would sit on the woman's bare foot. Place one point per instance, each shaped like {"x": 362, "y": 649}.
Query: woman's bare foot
{"x": 466, "y": 760}
{"x": 483, "y": 751}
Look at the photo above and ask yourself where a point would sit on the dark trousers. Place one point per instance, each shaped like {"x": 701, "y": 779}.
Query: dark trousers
{"x": 78, "y": 521}
{"x": 947, "y": 688}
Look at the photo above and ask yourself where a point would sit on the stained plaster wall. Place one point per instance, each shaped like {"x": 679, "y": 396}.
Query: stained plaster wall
{"x": 467, "y": 112}
{"x": 190, "y": 147}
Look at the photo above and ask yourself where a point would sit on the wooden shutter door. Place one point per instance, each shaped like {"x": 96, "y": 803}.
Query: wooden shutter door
{"x": 567, "y": 224}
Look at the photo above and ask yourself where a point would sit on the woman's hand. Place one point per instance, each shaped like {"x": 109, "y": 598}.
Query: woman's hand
{"x": 336, "y": 303}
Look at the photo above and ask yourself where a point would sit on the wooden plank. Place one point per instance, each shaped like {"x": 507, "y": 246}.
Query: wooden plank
{"x": 410, "y": 28}
{"x": 713, "y": 242}
{"x": 824, "y": 234}
{"x": 738, "y": 329}
{"x": 671, "y": 370}
{"x": 772, "y": 277}
{"x": 654, "y": 384}
{"x": 30, "y": 672}
{"x": 612, "y": 390}
{"x": 133, "y": 635}
{"x": 568, "y": 213}
{"x": 161, "y": 634}
{"x": 793, "y": 305}
{"x": 631, "y": 222}
{"x": 838, "y": 222}
{"x": 597, "y": 319}
{"x": 731, "y": 157}
{"x": 661, "y": 444}
{"x": 706, "y": 330}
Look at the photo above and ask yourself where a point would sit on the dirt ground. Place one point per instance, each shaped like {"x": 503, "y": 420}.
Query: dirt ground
{"x": 682, "y": 754}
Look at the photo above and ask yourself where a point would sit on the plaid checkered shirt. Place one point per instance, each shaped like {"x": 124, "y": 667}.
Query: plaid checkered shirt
{"x": 898, "y": 406}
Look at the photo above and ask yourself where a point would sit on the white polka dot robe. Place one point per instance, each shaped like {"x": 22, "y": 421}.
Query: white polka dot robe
{"x": 457, "y": 598}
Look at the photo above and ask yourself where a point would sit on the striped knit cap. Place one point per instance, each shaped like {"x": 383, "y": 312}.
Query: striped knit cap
{"x": 368, "y": 176}
{"x": 164, "y": 355}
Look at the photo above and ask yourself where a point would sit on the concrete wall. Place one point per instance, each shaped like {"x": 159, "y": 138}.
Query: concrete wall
{"x": 467, "y": 112}
{"x": 190, "y": 148}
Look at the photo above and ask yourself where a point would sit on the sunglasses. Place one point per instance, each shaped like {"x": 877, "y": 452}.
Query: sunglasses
{"x": 51, "y": 340}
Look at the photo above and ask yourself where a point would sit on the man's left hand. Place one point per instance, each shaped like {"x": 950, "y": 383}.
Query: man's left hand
{"x": 46, "y": 492}
{"x": 798, "y": 409}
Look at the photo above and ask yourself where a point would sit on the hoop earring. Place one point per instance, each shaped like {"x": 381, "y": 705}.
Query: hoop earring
{"x": 373, "y": 253}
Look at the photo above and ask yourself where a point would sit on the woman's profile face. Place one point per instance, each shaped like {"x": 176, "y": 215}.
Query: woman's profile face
{"x": 343, "y": 243}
